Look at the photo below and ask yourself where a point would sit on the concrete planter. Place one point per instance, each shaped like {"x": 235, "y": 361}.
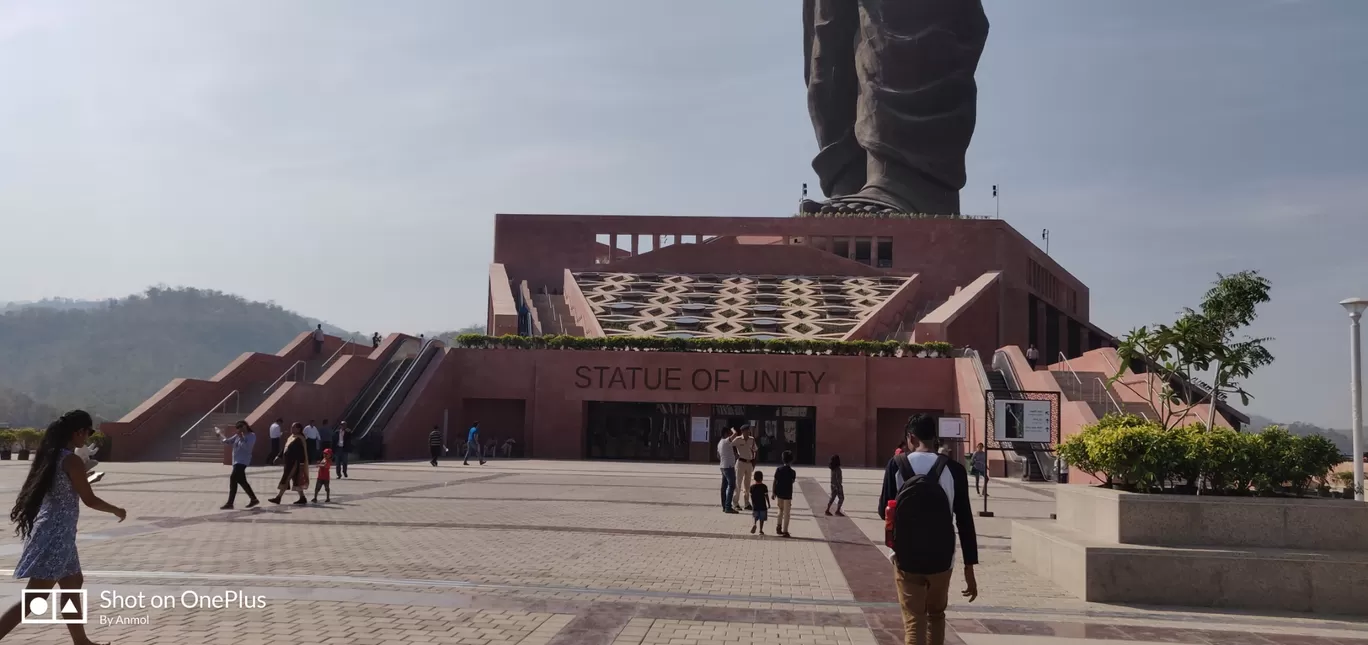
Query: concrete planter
{"x": 1186, "y": 521}
{"x": 1303, "y": 555}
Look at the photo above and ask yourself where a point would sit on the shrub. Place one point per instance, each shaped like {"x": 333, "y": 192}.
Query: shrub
{"x": 29, "y": 438}
{"x": 1140, "y": 455}
{"x": 7, "y": 439}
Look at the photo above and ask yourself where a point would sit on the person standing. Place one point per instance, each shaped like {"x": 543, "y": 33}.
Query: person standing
{"x": 375, "y": 340}
{"x": 932, "y": 492}
{"x": 318, "y": 337}
{"x": 837, "y": 486}
{"x": 745, "y": 464}
{"x": 275, "y": 441}
{"x": 435, "y": 448}
{"x": 1032, "y": 355}
{"x": 294, "y": 475}
{"x": 978, "y": 467}
{"x": 311, "y": 440}
{"x": 242, "y": 442}
{"x": 325, "y": 436}
{"x": 784, "y": 476}
{"x": 473, "y": 443}
{"x": 343, "y": 441}
{"x": 726, "y": 456}
{"x": 46, "y": 512}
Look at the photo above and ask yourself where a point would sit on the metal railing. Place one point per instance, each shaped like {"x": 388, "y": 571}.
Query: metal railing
{"x": 1070, "y": 366}
{"x": 298, "y": 366}
{"x": 1106, "y": 390}
{"x": 235, "y": 395}
{"x": 349, "y": 341}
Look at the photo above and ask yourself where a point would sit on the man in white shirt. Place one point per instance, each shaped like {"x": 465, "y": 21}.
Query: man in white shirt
{"x": 924, "y": 596}
{"x": 275, "y": 441}
{"x": 745, "y": 466}
{"x": 726, "y": 456}
{"x": 311, "y": 440}
{"x": 1032, "y": 355}
{"x": 318, "y": 340}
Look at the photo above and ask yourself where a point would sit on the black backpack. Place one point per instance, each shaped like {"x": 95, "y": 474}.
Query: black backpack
{"x": 923, "y": 525}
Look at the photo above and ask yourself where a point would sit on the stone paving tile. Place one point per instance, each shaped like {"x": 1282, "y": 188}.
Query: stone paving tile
{"x": 312, "y": 623}
{"x": 590, "y": 551}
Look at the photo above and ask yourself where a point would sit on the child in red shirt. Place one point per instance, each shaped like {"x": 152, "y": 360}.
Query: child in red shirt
{"x": 323, "y": 482}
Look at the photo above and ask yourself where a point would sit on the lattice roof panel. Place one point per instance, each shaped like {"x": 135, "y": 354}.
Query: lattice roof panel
{"x": 728, "y": 306}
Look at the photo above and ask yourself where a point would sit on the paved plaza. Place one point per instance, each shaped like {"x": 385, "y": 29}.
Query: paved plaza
{"x": 550, "y": 552}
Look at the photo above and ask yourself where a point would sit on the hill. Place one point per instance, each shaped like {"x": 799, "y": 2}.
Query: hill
{"x": 107, "y": 357}
{"x": 1340, "y": 437}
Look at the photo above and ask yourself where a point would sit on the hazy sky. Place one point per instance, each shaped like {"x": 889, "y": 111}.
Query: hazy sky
{"x": 345, "y": 159}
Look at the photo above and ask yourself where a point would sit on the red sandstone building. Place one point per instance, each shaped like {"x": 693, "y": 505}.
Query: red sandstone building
{"x": 976, "y": 284}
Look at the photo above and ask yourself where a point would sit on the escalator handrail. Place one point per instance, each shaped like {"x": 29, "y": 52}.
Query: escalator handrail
{"x": 418, "y": 364}
{"x": 380, "y": 369}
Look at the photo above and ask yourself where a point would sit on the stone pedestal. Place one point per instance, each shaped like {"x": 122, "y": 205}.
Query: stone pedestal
{"x": 1307, "y": 555}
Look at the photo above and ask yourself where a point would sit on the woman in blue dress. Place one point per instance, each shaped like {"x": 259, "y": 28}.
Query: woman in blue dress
{"x": 46, "y": 511}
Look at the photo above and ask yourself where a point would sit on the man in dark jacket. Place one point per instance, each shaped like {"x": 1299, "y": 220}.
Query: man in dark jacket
{"x": 924, "y": 598}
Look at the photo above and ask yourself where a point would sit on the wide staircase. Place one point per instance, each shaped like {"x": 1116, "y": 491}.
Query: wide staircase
{"x": 199, "y": 443}
{"x": 1092, "y": 388}
{"x": 555, "y": 315}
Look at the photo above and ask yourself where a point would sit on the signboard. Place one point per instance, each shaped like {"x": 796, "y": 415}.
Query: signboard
{"x": 1022, "y": 421}
{"x": 699, "y": 426}
{"x": 951, "y": 427}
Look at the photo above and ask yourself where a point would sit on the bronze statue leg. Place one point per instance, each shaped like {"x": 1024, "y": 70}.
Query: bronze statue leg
{"x": 915, "y": 62}
{"x": 830, "y": 30}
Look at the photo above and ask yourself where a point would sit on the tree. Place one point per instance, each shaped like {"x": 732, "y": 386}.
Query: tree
{"x": 1204, "y": 339}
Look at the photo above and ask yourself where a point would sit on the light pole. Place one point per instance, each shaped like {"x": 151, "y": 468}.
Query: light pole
{"x": 1355, "y": 307}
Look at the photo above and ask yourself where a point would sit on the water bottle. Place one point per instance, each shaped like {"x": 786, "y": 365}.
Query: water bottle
{"x": 888, "y": 522}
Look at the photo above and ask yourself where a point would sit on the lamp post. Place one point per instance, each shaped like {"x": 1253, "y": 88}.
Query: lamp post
{"x": 1355, "y": 307}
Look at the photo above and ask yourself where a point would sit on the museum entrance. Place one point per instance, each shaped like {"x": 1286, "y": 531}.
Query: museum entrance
{"x": 638, "y": 431}
{"x": 775, "y": 428}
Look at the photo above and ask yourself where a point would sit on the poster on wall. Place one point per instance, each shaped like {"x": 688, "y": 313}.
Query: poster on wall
{"x": 699, "y": 426}
{"x": 951, "y": 427}
{"x": 1022, "y": 421}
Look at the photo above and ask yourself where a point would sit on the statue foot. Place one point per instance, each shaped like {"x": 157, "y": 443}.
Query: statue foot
{"x": 869, "y": 201}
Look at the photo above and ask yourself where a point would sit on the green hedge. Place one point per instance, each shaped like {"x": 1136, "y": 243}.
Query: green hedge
{"x": 1134, "y": 454}
{"x": 715, "y": 345}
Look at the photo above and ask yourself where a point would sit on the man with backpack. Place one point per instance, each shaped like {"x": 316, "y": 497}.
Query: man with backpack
{"x": 931, "y": 495}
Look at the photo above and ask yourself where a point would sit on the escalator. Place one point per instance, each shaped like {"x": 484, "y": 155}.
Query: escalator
{"x": 399, "y": 376}
{"x": 1034, "y": 455}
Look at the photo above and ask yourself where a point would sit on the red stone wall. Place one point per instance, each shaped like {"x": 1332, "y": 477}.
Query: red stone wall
{"x": 557, "y": 384}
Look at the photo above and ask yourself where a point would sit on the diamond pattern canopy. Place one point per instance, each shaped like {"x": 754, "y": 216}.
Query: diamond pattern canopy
{"x": 731, "y": 306}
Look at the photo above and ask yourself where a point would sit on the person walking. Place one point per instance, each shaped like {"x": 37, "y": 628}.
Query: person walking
{"x": 344, "y": 442}
{"x": 784, "y": 476}
{"x": 726, "y": 456}
{"x": 46, "y": 511}
{"x": 745, "y": 465}
{"x": 318, "y": 337}
{"x": 294, "y": 475}
{"x": 311, "y": 440}
{"x": 242, "y": 442}
{"x": 435, "y": 447}
{"x": 1032, "y": 355}
{"x": 324, "y": 476}
{"x": 759, "y": 502}
{"x": 978, "y": 467}
{"x": 275, "y": 441}
{"x": 837, "y": 485}
{"x": 473, "y": 443}
{"x": 932, "y": 494}
{"x": 325, "y": 436}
